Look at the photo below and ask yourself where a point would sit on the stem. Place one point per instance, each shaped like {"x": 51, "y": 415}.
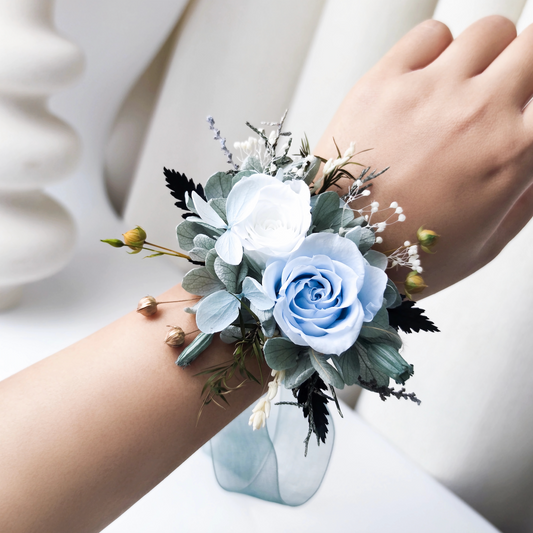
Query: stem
{"x": 174, "y": 254}
{"x": 177, "y": 301}
{"x": 162, "y": 247}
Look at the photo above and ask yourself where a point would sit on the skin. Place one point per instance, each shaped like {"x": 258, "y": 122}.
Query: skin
{"x": 450, "y": 119}
{"x": 88, "y": 431}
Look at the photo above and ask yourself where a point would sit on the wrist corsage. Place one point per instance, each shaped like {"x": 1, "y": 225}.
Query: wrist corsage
{"x": 286, "y": 270}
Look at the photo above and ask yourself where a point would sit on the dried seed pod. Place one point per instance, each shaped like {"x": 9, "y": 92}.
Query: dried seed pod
{"x": 147, "y": 306}
{"x": 175, "y": 336}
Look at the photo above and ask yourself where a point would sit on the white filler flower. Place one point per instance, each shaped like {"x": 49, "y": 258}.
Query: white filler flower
{"x": 266, "y": 217}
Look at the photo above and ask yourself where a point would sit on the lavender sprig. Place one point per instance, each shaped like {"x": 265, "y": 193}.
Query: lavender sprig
{"x": 222, "y": 141}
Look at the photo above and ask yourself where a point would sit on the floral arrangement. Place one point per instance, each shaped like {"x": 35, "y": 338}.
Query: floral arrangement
{"x": 287, "y": 271}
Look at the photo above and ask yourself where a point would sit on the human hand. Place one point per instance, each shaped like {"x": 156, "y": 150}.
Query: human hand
{"x": 449, "y": 118}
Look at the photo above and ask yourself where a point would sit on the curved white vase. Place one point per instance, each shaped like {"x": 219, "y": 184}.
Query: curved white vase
{"x": 36, "y": 148}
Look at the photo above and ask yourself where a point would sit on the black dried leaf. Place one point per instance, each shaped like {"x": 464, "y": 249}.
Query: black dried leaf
{"x": 179, "y": 184}
{"x": 409, "y": 318}
{"x": 310, "y": 397}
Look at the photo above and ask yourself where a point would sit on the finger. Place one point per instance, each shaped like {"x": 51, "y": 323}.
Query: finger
{"x": 418, "y": 48}
{"x": 516, "y": 218}
{"x": 511, "y": 73}
{"x": 478, "y": 46}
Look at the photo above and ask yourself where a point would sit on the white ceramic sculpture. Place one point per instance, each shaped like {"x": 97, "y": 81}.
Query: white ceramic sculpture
{"x": 36, "y": 148}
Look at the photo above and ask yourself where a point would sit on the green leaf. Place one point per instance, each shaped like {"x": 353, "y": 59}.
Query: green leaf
{"x": 157, "y": 254}
{"x": 377, "y": 259}
{"x": 377, "y": 333}
{"x": 243, "y": 272}
{"x": 198, "y": 254}
{"x": 186, "y": 232}
{"x": 385, "y": 359}
{"x": 227, "y": 274}
{"x": 325, "y": 370}
{"x": 230, "y": 334}
{"x": 252, "y": 163}
{"x": 368, "y": 240}
{"x": 219, "y": 206}
{"x": 325, "y": 211}
{"x": 348, "y": 365}
{"x": 210, "y": 262}
{"x": 281, "y": 353}
{"x": 354, "y": 235}
{"x": 201, "y": 282}
{"x": 203, "y": 241}
{"x": 392, "y": 296}
{"x": 312, "y": 170}
{"x": 367, "y": 372}
{"x": 378, "y": 330}
{"x": 197, "y": 346}
{"x": 296, "y": 375}
{"x": 218, "y": 185}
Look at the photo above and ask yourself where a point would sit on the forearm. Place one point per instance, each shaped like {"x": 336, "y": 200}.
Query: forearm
{"x": 88, "y": 431}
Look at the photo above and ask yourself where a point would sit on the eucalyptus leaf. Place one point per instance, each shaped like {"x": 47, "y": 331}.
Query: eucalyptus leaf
{"x": 218, "y": 185}
{"x": 201, "y": 282}
{"x": 354, "y": 235}
{"x": 348, "y": 364}
{"x": 254, "y": 268}
{"x": 376, "y": 333}
{"x": 281, "y": 353}
{"x": 203, "y": 241}
{"x": 327, "y": 372}
{"x": 312, "y": 170}
{"x": 377, "y": 259}
{"x": 198, "y": 254}
{"x": 325, "y": 211}
{"x": 227, "y": 274}
{"x": 217, "y": 311}
{"x": 296, "y": 375}
{"x": 231, "y": 334}
{"x": 359, "y": 221}
{"x": 392, "y": 296}
{"x": 197, "y": 346}
{"x": 368, "y": 373}
{"x": 210, "y": 262}
{"x": 243, "y": 272}
{"x": 268, "y": 327}
{"x": 186, "y": 232}
{"x": 190, "y": 228}
{"x": 368, "y": 238}
{"x": 219, "y": 205}
{"x": 252, "y": 163}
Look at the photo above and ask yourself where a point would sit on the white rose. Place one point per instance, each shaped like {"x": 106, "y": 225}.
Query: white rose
{"x": 266, "y": 217}
{"x": 279, "y": 218}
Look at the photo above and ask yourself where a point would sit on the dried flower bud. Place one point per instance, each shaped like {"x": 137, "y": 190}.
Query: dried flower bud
{"x": 175, "y": 336}
{"x": 147, "y": 306}
{"x": 414, "y": 283}
{"x": 134, "y": 238}
{"x": 427, "y": 239}
{"x": 116, "y": 243}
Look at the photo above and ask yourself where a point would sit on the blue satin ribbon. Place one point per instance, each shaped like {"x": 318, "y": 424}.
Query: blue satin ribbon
{"x": 269, "y": 463}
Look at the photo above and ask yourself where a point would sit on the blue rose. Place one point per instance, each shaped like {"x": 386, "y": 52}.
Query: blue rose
{"x": 324, "y": 292}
